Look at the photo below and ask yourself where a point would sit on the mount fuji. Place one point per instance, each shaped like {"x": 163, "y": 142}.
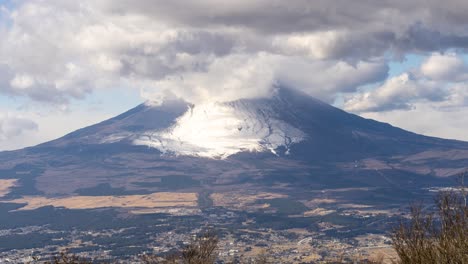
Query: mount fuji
{"x": 290, "y": 139}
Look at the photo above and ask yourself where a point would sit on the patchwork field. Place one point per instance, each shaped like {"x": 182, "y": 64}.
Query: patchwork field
{"x": 153, "y": 200}
{"x": 240, "y": 200}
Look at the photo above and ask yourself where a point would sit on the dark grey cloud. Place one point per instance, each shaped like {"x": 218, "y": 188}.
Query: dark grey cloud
{"x": 276, "y": 16}
{"x": 375, "y": 26}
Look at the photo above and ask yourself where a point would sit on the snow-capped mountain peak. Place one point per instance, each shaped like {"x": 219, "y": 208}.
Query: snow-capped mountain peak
{"x": 218, "y": 130}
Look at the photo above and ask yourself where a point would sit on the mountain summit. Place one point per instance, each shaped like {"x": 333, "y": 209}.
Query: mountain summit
{"x": 218, "y": 130}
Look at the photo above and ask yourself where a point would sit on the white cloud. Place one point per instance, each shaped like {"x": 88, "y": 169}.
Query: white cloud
{"x": 315, "y": 45}
{"x": 248, "y": 77}
{"x": 396, "y": 93}
{"x": 445, "y": 67}
{"x": 431, "y": 99}
{"x": 22, "y": 81}
{"x": 15, "y": 126}
{"x": 326, "y": 79}
{"x": 458, "y": 96}
{"x": 441, "y": 80}
{"x": 427, "y": 120}
{"x": 27, "y": 127}
{"x": 241, "y": 76}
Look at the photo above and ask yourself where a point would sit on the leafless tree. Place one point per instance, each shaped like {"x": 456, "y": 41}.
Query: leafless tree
{"x": 440, "y": 237}
{"x": 63, "y": 258}
{"x": 200, "y": 251}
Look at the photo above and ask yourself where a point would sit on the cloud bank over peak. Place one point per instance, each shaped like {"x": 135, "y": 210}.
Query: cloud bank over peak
{"x": 258, "y": 75}
{"x": 55, "y": 51}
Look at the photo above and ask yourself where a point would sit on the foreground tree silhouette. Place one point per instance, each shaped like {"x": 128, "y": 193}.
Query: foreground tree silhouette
{"x": 440, "y": 237}
{"x": 200, "y": 251}
{"x": 64, "y": 258}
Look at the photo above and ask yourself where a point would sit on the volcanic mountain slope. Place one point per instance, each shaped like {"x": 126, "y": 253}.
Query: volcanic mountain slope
{"x": 288, "y": 140}
{"x": 288, "y": 120}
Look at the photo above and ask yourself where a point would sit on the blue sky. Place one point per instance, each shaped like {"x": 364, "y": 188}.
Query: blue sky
{"x": 90, "y": 60}
{"x": 411, "y": 61}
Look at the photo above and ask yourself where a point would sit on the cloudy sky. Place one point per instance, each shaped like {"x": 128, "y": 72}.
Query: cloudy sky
{"x": 68, "y": 64}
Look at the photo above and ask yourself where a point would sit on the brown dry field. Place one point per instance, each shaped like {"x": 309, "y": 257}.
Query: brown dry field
{"x": 153, "y": 200}
{"x": 5, "y": 186}
{"x": 317, "y": 202}
{"x": 241, "y": 200}
{"x": 378, "y": 251}
{"x": 387, "y": 254}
